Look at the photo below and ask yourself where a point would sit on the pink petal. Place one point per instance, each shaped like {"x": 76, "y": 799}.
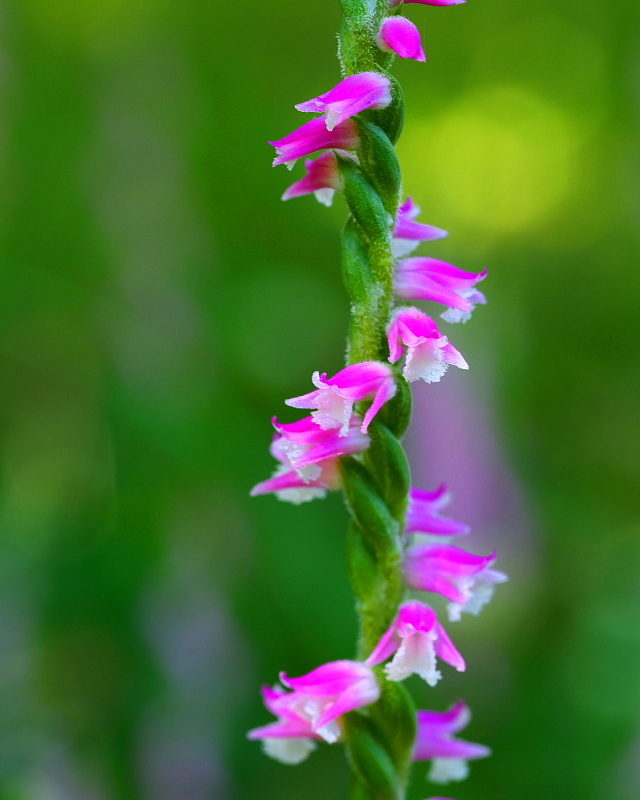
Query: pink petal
{"x": 349, "y": 97}
{"x": 384, "y": 393}
{"x": 313, "y": 136}
{"x": 416, "y": 285}
{"x": 334, "y": 447}
{"x": 446, "y": 650}
{"x": 358, "y": 695}
{"x": 280, "y": 483}
{"x": 429, "y": 2}
{"x": 399, "y": 35}
{"x": 447, "y": 274}
{"x": 322, "y": 175}
{"x": 328, "y": 679}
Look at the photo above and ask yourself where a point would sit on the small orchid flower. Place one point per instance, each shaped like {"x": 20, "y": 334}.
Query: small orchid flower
{"x": 435, "y": 742}
{"x": 429, "y": 353}
{"x": 349, "y": 97}
{"x": 330, "y": 691}
{"x": 414, "y": 640}
{"x": 313, "y": 136}
{"x": 431, "y": 279}
{"x": 394, "y": 3}
{"x": 464, "y": 579}
{"x": 423, "y": 515}
{"x": 322, "y": 179}
{"x": 308, "y": 457}
{"x": 408, "y": 233}
{"x": 291, "y": 738}
{"x": 334, "y": 397}
{"x": 399, "y": 35}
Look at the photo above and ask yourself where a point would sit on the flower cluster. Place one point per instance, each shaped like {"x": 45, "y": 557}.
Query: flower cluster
{"x": 343, "y": 407}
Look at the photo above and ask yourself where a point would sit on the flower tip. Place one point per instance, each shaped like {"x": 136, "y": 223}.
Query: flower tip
{"x": 284, "y": 680}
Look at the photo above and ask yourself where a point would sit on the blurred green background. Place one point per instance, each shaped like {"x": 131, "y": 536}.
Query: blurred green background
{"x": 158, "y": 302}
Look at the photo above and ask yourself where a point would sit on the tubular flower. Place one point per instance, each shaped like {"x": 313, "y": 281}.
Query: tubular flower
{"x": 334, "y": 397}
{"x": 349, "y": 97}
{"x": 313, "y": 136}
{"x": 414, "y": 640}
{"x": 431, "y": 279}
{"x": 423, "y": 515}
{"x": 308, "y": 457}
{"x": 399, "y": 35}
{"x": 394, "y": 3}
{"x": 435, "y": 742}
{"x": 408, "y": 233}
{"x": 322, "y": 179}
{"x": 291, "y": 738}
{"x": 429, "y": 353}
{"x": 464, "y": 579}
{"x": 330, "y": 691}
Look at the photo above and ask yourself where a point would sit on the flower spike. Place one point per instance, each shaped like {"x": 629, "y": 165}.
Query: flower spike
{"x": 408, "y": 233}
{"x": 431, "y": 279}
{"x": 313, "y": 136}
{"x": 351, "y": 96}
{"x": 436, "y": 742}
{"x": 334, "y": 397}
{"x": 464, "y": 579}
{"x": 400, "y": 36}
{"x": 414, "y": 640}
{"x": 423, "y": 515}
{"x": 429, "y": 353}
{"x": 308, "y": 457}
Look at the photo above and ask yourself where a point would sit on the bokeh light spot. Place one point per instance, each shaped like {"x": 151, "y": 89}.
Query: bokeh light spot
{"x": 500, "y": 159}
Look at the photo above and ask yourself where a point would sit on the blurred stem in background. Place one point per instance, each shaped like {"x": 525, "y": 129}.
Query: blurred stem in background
{"x": 146, "y": 273}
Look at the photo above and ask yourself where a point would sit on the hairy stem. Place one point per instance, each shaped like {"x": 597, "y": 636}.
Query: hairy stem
{"x": 380, "y": 738}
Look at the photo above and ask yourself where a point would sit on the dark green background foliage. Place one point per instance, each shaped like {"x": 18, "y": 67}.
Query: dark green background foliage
{"x": 158, "y": 302}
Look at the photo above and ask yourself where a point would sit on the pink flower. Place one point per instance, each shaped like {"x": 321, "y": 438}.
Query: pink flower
{"x": 435, "y": 742}
{"x": 423, "y": 514}
{"x": 414, "y": 639}
{"x": 291, "y": 738}
{"x": 352, "y": 95}
{"x": 334, "y": 397}
{"x": 464, "y": 579}
{"x": 399, "y": 35}
{"x": 314, "y": 136}
{"x": 429, "y": 353}
{"x": 431, "y": 279}
{"x": 308, "y": 457}
{"x": 322, "y": 179}
{"x": 330, "y": 691}
{"x": 394, "y": 3}
{"x": 408, "y": 234}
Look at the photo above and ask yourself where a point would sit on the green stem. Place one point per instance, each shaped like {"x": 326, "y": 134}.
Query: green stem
{"x": 380, "y": 738}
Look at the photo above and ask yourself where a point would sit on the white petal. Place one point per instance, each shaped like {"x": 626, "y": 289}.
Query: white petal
{"x": 310, "y": 473}
{"x": 415, "y": 654}
{"x": 429, "y": 538}
{"x": 330, "y": 732}
{"x": 444, "y": 770}
{"x": 454, "y": 315}
{"x": 333, "y": 411}
{"x": 291, "y": 750}
{"x": 479, "y": 595}
{"x": 402, "y": 247}
{"x": 325, "y": 196}
{"x": 297, "y": 496}
{"x": 425, "y": 361}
